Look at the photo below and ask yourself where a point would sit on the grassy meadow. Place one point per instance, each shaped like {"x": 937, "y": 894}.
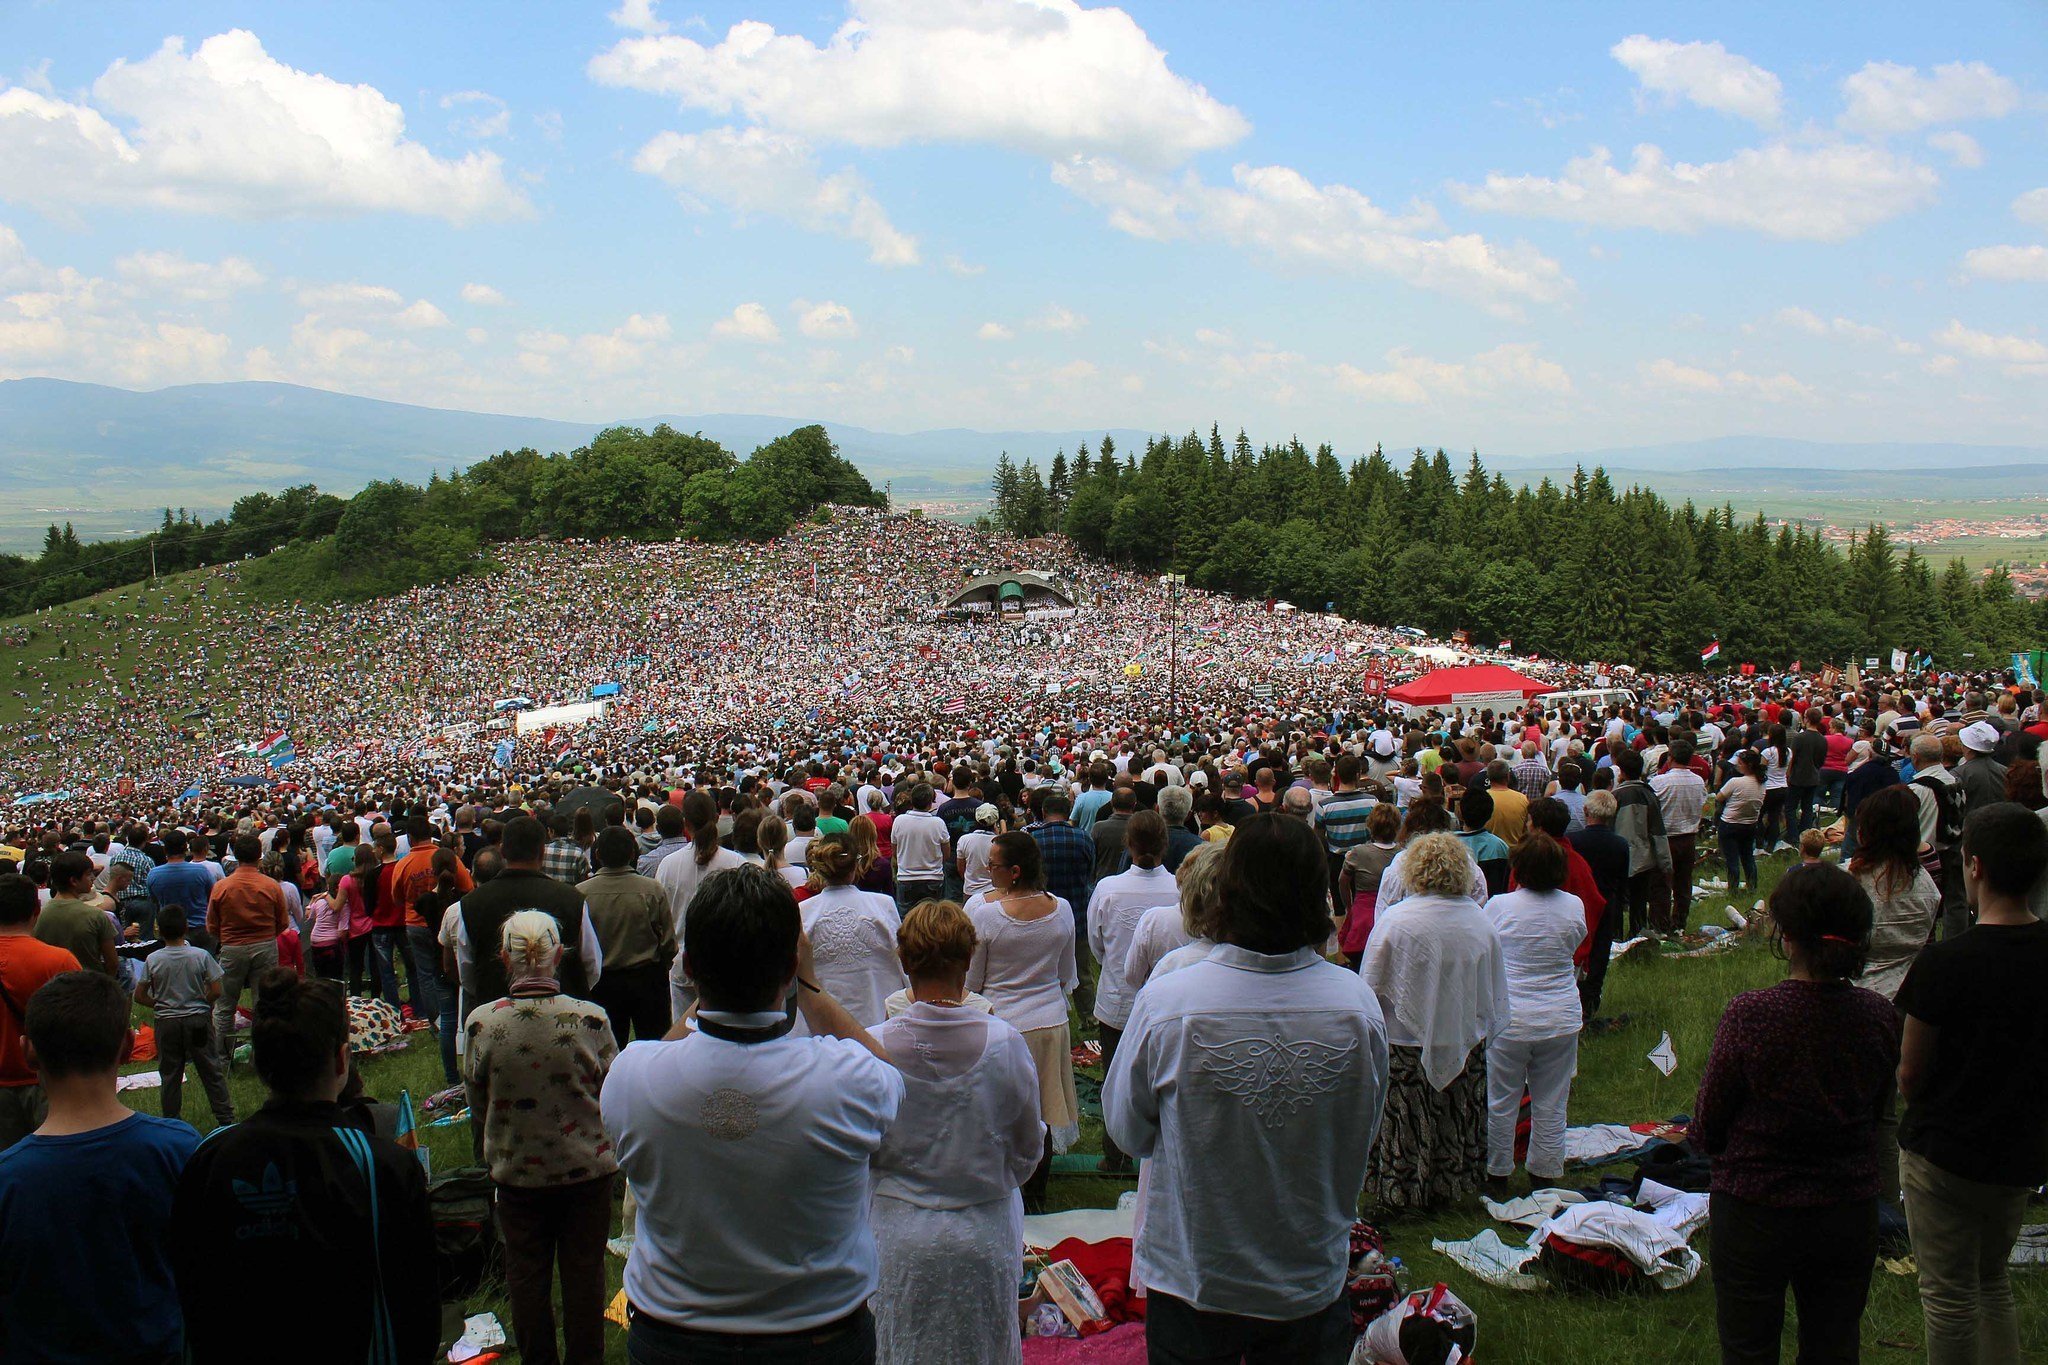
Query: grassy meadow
{"x": 1616, "y": 1083}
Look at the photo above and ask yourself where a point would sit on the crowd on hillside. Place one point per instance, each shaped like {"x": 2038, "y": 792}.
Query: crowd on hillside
{"x": 799, "y": 948}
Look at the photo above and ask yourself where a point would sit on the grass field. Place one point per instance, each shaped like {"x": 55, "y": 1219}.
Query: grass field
{"x": 1616, "y": 1083}
{"x": 199, "y": 603}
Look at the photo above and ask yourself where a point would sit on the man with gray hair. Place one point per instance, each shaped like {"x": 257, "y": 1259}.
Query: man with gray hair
{"x": 1175, "y": 805}
{"x": 1943, "y": 806}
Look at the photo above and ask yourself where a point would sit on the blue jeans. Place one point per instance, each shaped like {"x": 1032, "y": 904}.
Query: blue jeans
{"x": 387, "y": 950}
{"x": 850, "y": 1341}
{"x": 430, "y": 999}
{"x": 1738, "y": 853}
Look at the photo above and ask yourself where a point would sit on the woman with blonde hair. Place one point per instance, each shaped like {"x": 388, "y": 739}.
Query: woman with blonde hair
{"x": 1024, "y": 963}
{"x": 852, "y": 932}
{"x": 1436, "y": 964}
{"x": 544, "y": 1140}
{"x": 946, "y": 1213}
{"x": 877, "y": 872}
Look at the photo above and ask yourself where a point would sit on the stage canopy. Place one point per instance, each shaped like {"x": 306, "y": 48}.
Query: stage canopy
{"x": 1019, "y": 590}
{"x": 1481, "y": 687}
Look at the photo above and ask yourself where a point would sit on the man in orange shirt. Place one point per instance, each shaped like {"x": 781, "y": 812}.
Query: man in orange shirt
{"x": 25, "y": 964}
{"x": 246, "y": 912}
{"x": 412, "y": 877}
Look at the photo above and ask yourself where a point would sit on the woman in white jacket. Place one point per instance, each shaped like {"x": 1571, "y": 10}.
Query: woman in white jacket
{"x": 852, "y": 933}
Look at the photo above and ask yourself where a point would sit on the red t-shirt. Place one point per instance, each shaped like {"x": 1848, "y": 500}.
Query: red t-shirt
{"x": 26, "y": 963}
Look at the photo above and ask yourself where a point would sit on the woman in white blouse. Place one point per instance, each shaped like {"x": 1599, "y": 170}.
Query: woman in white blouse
{"x": 947, "y": 1216}
{"x": 1024, "y": 964}
{"x": 1435, "y": 963}
{"x": 771, "y": 836}
{"x": 1539, "y": 927}
{"x": 852, "y": 933}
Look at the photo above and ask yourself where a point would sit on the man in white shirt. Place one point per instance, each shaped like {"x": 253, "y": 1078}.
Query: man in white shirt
{"x": 1683, "y": 795}
{"x": 1253, "y": 1080}
{"x": 922, "y": 844}
{"x": 706, "y": 1120}
{"x": 1114, "y": 911}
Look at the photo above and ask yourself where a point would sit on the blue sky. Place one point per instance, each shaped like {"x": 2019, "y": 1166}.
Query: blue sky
{"x": 1520, "y": 229}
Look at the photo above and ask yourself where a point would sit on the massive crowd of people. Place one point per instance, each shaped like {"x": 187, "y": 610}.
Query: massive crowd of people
{"x": 802, "y": 935}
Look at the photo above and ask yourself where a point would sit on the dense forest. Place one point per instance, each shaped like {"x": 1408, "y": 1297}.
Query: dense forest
{"x": 648, "y": 485}
{"x": 1586, "y": 571}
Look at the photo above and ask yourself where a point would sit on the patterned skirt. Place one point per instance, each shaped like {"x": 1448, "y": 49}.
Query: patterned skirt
{"x": 1431, "y": 1150}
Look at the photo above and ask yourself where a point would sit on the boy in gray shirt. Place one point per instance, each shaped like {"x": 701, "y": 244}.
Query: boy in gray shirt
{"x": 182, "y": 982}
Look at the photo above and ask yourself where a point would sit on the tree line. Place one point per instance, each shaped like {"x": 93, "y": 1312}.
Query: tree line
{"x": 394, "y": 535}
{"x": 1582, "y": 571}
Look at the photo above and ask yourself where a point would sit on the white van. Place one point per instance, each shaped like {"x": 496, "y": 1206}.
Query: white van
{"x": 1589, "y": 698}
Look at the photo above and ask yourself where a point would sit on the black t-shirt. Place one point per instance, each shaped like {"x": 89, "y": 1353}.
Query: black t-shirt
{"x": 1983, "y": 1113}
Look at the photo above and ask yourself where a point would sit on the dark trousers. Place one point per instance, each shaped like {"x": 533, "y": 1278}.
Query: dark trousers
{"x": 1649, "y": 899}
{"x": 546, "y": 1227}
{"x": 910, "y": 894}
{"x": 1823, "y": 1255}
{"x": 198, "y": 937}
{"x": 1035, "y": 1187}
{"x": 849, "y": 1341}
{"x": 1084, "y": 964}
{"x": 1738, "y": 854}
{"x": 1596, "y": 959}
{"x": 183, "y": 1039}
{"x": 636, "y": 1000}
{"x": 1805, "y": 803}
{"x": 1772, "y": 827}
{"x": 1683, "y": 847}
{"x": 1177, "y": 1333}
{"x": 1113, "y": 1157}
{"x": 330, "y": 961}
{"x": 358, "y": 962}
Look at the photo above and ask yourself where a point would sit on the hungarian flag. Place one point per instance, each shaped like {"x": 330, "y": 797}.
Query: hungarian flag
{"x": 277, "y": 741}
{"x": 1711, "y": 652}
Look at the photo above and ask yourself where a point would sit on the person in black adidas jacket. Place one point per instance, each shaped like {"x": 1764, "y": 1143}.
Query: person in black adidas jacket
{"x": 297, "y": 1231}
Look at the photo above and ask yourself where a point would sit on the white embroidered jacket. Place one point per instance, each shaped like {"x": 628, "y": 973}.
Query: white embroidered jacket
{"x": 1254, "y": 1083}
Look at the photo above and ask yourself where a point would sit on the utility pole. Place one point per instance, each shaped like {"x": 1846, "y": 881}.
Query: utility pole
{"x": 1173, "y": 582}
{"x": 152, "y": 562}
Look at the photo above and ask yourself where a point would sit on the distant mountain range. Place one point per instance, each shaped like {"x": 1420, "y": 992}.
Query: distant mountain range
{"x": 105, "y": 457}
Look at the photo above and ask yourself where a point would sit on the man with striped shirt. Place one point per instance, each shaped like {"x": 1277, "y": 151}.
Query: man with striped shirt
{"x": 1343, "y": 814}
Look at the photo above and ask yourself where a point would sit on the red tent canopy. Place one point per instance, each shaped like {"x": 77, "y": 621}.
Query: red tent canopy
{"x": 1441, "y": 687}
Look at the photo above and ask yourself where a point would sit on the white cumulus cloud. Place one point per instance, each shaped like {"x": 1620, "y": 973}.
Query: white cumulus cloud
{"x": 489, "y": 117}
{"x": 2032, "y": 207}
{"x": 1825, "y": 193}
{"x": 993, "y": 331}
{"x": 1279, "y": 213}
{"x": 1958, "y": 147}
{"x": 228, "y": 129}
{"x": 2018, "y": 263}
{"x": 370, "y": 304}
{"x": 753, "y": 170}
{"x": 827, "y": 321}
{"x": 1514, "y": 368}
{"x": 748, "y": 322}
{"x": 1885, "y": 97}
{"x": 2013, "y": 350}
{"x": 1057, "y": 318}
{"x": 1707, "y": 74}
{"x": 1672, "y": 376}
{"x": 170, "y": 273}
{"x": 1040, "y": 76}
{"x": 483, "y": 296}
{"x": 638, "y": 16}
